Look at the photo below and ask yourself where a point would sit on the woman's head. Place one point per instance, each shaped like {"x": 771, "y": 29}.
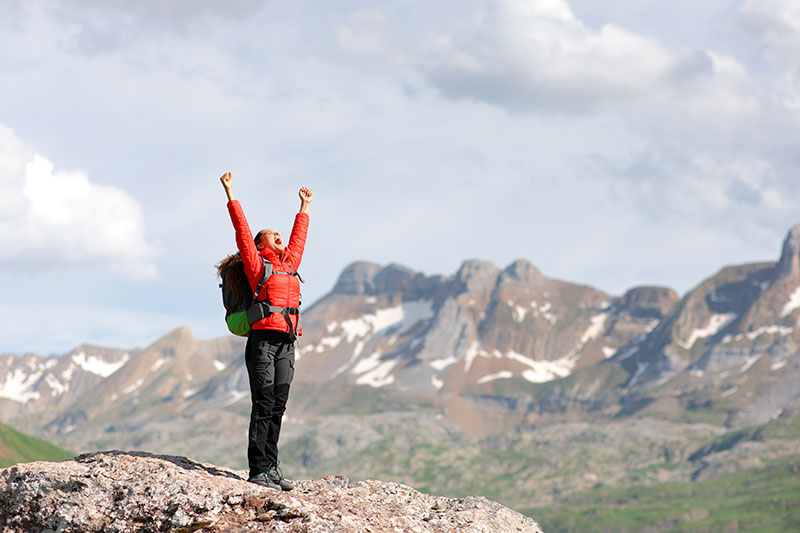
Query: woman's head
{"x": 267, "y": 238}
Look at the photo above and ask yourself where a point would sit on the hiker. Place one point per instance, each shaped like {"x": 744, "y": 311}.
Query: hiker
{"x": 269, "y": 354}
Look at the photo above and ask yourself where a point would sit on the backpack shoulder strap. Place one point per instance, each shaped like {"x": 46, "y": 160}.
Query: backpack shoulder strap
{"x": 293, "y": 272}
{"x": 264, "y": 277}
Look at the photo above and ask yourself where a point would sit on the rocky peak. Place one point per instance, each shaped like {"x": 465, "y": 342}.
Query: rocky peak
{"x": 394, "y": 278}
{"x": 137, "y": 491}
{"x": 179, "y": 337}
{"x": 789, "y": 264}
{"x": 477, "y": 275}
{"x": 649, "y": 302}
{"x": 364, "y": 278}
{"x": 357, "y": 278}
{"x": 522, "y": 271}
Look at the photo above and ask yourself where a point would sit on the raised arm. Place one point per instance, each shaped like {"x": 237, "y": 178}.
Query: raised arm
{"x": 305, "y": 198}
{"x": 244, "y": 238}
{"x": 297, "y": 239}
{"x": 227, "y": 184}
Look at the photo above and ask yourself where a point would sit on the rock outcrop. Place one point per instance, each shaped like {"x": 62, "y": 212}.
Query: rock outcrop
{"x": 789, "y": 264}
{"x": 136, "y": 491}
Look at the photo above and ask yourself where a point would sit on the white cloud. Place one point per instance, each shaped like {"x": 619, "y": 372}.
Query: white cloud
{"x": 778, "y": 21}
{"x": 777, "y": 24}
{"x": 537, "y": 54}
{"x": 50, "y": 218}
{"x": 104, "y": 25}
{"x": 367, "y": 33}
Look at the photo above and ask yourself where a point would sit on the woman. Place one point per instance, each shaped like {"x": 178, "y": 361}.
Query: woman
{"x": 269, "y": 354}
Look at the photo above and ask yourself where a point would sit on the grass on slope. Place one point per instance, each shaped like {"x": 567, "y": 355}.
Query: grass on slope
{"x": 765, "y": 499}
{"x": 16, "y": 447}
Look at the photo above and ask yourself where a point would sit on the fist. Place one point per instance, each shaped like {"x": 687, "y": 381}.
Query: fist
{"x": 226, "y": 180}
{"x": 306, "y": 195}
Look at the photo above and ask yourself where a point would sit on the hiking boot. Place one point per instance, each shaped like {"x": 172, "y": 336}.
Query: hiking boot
{"x": 276, "y": 476}
{"x": 265, "y": 481}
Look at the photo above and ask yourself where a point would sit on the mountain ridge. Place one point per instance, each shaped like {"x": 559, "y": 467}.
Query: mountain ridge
{"x": 450, "y": 337}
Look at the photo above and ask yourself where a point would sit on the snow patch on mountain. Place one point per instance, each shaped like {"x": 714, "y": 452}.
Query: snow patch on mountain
{"x": 537, "y": 371}
{"x": 473, "y": 352}
{"x": 792, "y": 304}
{"x": 543, "y": 371}
{"x": 519, "y": 311}
{"x": 598, "y": 322}
{"x": 325, "y": 343}
{"x": 400, "y": 317}
{"x": 441, "y": 364}
{"x": 368, "y": 363}
{"x": 358, "y": 349}
{"x": 374, "y": 372}
{"x": 715, "y": 324}
{"x": 56, "y": 386}
{"x": 131, "y": 388}
{"x": 66, "y": 375}
{"x": 357, "y": 327}
{"x": 503, "y": 374}
{"x": 96, "y": 365}
{"x": 18, "y": 386}
{"x": 753, "y": 335}
{"x": 544, "y": 311}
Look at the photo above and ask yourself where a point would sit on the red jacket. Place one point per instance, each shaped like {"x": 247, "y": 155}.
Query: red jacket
{"x": 284, "y": 291}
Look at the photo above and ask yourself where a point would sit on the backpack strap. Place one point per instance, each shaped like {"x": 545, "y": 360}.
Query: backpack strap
{"x": 261, "y": 309}
{"x": 264, "y": 277}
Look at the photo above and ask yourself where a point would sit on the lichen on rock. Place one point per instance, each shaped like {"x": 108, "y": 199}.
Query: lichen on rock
{"x": 120, "y": 492}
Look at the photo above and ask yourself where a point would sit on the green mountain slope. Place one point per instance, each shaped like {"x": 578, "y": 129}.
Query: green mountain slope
{"x": 16, "y": 447}
{"x": 626, "y": 475}
{"x": 761, "y": 499}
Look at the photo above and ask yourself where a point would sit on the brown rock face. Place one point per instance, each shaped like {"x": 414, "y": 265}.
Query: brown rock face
{"x": 136, "y": 491}
{"x": 789, "y": 264}
{"x": 649, "y": 302}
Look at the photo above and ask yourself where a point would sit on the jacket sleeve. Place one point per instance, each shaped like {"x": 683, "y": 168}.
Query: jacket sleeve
{"x": 297, "y": 240}
{"x": 244, "y": 242}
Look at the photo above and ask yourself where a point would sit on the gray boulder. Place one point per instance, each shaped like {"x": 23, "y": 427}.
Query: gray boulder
{"x": 136, "y": 491}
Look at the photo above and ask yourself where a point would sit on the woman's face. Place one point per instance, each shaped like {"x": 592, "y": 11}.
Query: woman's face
{"x": 272, "y": 240}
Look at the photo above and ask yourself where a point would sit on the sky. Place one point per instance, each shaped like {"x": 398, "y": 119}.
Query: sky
{"x": 612, "y": 144}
